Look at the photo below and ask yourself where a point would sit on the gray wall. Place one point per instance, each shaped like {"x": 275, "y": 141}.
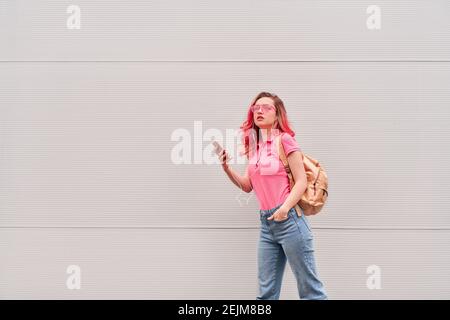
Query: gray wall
{"x": 86, "y": 117}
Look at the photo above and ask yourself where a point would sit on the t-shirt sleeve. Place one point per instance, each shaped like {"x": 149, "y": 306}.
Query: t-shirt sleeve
{"x": 289, "y": 143}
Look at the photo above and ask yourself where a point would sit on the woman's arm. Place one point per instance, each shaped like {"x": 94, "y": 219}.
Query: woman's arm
{"x": 295, "y": 161}
{"x": 242, "y": 182}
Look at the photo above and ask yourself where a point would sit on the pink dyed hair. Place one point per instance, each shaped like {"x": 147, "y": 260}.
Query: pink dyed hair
{"x": 249, "y": 129}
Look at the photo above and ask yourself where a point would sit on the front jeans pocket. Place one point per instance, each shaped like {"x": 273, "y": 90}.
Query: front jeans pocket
{"x": 283, "y": 221}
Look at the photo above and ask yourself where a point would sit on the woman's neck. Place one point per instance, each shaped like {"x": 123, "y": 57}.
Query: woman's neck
{"x": 266, "y": 134}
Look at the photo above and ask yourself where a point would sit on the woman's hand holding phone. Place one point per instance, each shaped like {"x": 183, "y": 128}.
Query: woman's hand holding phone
{"x": 222, "y": 153}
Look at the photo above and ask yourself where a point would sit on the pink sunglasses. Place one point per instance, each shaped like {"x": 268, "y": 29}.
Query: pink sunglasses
{"x": 264, "y": 107}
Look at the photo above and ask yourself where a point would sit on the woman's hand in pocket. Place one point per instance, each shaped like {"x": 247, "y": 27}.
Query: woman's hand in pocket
{"x": 280, "y": 214}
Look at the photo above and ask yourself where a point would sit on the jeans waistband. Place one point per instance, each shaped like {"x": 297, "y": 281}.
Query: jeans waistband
{"x": 269, "y": 211}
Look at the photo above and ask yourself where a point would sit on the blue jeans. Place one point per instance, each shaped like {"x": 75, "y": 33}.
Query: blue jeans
{"x": 292, "y": 239}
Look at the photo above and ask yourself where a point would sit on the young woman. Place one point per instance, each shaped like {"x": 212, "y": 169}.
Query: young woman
{"x": 284, "y": 235}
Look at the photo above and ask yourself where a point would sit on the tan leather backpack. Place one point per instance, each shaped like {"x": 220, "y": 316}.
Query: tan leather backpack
{"x": 316, "y": 192}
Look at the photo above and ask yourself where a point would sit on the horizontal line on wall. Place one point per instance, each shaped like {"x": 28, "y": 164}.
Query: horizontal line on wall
{"x": 212, "y": 227}
{"x": 209, "y": 61}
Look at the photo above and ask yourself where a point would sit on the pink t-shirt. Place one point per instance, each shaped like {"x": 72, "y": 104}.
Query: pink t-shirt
{"x": 267, "y": 174}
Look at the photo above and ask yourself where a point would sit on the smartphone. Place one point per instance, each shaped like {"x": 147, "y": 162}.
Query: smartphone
{"x": 218, "y": 149}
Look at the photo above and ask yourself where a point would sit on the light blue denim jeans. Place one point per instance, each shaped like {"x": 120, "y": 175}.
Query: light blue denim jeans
{"x": 289, "y": 239}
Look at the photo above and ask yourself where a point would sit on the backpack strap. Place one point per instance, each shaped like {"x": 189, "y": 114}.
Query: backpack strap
{"x": 282, "y": 156}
